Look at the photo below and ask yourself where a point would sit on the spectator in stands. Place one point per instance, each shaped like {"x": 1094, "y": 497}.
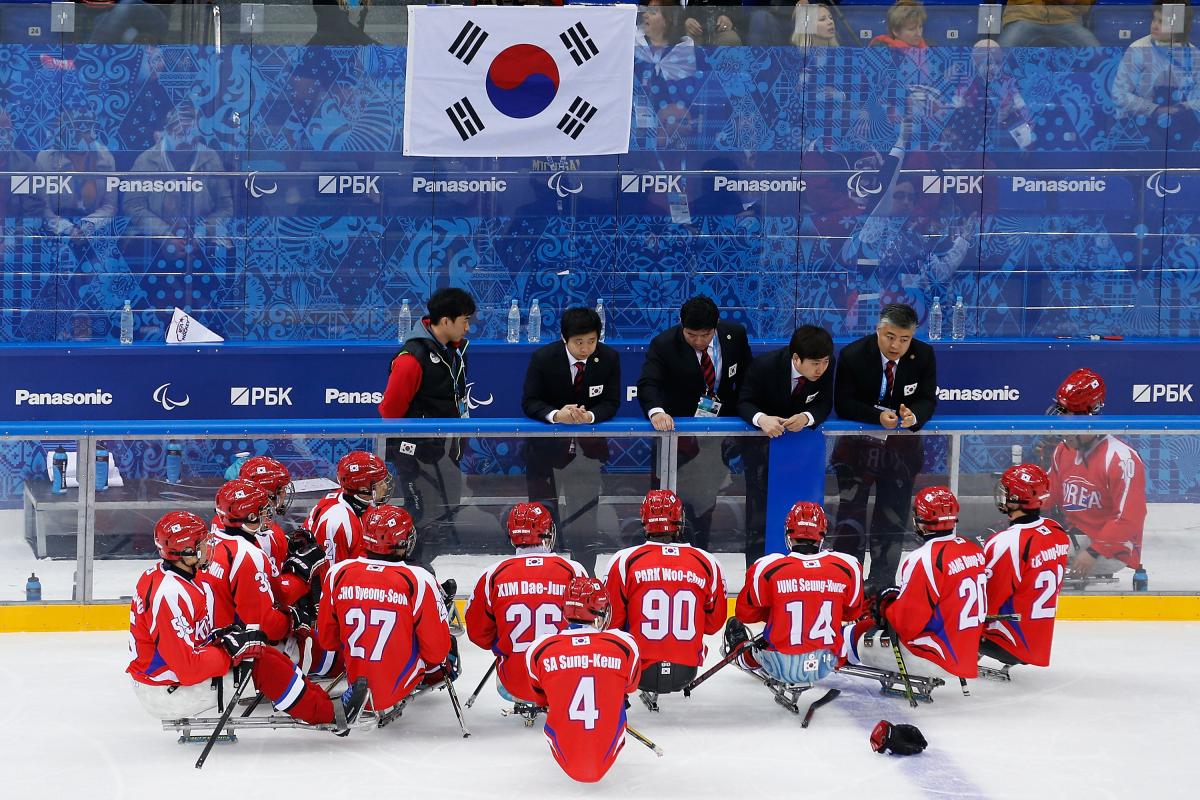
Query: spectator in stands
{"x": 78, "y": 152}
{"x": 906, "y": 27}
{"x": 813, "y": 26}
{"x": 14, "y": 206}
{"x": 662, "y": 43}
{"x": 1159, "y": 75}
{"x": 1046, "y": 23}
{"x": 712, "y": 22}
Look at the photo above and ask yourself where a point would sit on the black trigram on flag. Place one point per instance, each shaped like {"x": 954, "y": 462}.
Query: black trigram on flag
{"x": 578, "y": 43}
{"x": 465, "y": 120}
{"x": 468, "y": 42}
{"x": 577, "y": 117}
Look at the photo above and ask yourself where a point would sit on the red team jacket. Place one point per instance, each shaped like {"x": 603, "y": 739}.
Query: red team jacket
{"x": 668, "y": 596}
{"x": 388, "y": 619}
{"x": 1103, "y": 493}
{"x": 942, "y": 603}
{"x": 242, "y": 587}
{"x": 514, "y": 602}
{"x": 1025, "y": 565}
{"x": 170, "y": 629}
{"x": 804, "y": 599}
{"x": 337, "y": 528}
{"x": 582, "y": 676}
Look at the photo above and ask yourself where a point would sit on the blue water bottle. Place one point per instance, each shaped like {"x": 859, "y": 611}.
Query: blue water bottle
{"x": 101, "y": 467}
{"x": 174, "y": 461}
{"x": 58, "y": 475}
{"x": 1141, "y": 581}
{"x": 33, "y": 589}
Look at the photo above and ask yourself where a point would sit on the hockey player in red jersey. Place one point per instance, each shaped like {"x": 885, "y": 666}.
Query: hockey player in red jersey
{"x": 336, "y": 519}
{"x": 1026, "y": 563}
{"x": 937, "y": 613}
{"x": 387, "y": 618}
{"x": 1099, "y": 485}
{"x": 804, "y": 597}
{"x": 582, "y": 675}
{"x": 175, "y": 653}
{"x": 520, "y": 598}
{"x": 667, "y": 595}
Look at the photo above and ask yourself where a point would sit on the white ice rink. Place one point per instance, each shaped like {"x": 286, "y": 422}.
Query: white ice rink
{"x": 1115, "y": 717}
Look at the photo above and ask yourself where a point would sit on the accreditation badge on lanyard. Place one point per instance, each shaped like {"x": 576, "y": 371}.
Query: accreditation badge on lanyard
{"x": 456, "y": 377}
{"x": 708, "y": 406}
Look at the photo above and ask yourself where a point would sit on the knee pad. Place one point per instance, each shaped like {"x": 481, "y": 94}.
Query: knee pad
{"x": 800, "y": 668}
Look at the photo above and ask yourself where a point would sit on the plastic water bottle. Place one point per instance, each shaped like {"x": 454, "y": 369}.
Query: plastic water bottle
{"x": 1141, "y": 582}
{"x": 935, "y": 319}
{"x": 403, "y": 322}
{"x": 174, "y": 461}
{"x": 535, "y": 322}
{"x": 600, "y": 313}
{"x": 514, "y": 323}
{"x": 958, "y": 320}
{"x": 127, "y": 324}
{"x": 33, "y": 589}
{"x": 235, "y": 469}
{"x": 101, "y": 467}
{"x": 58, "y": 475}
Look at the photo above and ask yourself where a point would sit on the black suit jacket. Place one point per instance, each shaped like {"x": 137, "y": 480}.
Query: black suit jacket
{"x": 671, "y": 377}
{"x": 550, "y": 382}
{"x": 768, "y": 388}
{"x": 860, "y": 374}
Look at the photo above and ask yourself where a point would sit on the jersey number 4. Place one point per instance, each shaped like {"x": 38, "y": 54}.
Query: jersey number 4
{"x": 382, "y": 619}
{"x": 583, "y": 703}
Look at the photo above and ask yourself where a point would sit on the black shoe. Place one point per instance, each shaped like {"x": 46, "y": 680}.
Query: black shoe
{"x": 735, "y": 634}
{"x": 353, "y": 700}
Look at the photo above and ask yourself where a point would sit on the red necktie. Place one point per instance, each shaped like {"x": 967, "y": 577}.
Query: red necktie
{"x": 706, "y": 370}
{"x": 890, "y": 374}
{"x": 578, "y": 377}
{"x": 798, "y": 389}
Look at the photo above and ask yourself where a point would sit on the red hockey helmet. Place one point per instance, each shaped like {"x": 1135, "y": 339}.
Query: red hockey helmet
{"x": 365, "y": 475}
{"x": 241, "y": 502}
{"x": 805, "y": 523}
{"x": 274, "y": 478}
{"x": 935, "y": 509}
{"x": 530, "y": 524}
{"x": 662, "y": 512}
{"x": 586, "y": 601}
{"x": 179, "y": 534}
{"x": 1024, "y": 486}
{"x": 1081, "y": 393}
{"x": 388, "y": 529}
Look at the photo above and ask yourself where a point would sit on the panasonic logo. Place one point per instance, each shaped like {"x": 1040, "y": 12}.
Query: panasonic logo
{"x": 336, "y": 397}
{"x": 420, "y": 184}
{"x": 1020, "y": 184}
{"x": 113, "y": 184}
{"x": 99, "y": 397}
{"x": 721, "y": 183}
{"x": 1004, "y": 393}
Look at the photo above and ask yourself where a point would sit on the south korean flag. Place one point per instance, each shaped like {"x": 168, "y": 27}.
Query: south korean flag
{"x": 519, "y": 81}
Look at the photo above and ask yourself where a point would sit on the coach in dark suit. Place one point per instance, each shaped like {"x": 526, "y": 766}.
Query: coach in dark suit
{"x": 575, "y": 381}
{"x": 788, "y": 389}
{"x": 886, "y": 379}
{"x": 695, "y": 369}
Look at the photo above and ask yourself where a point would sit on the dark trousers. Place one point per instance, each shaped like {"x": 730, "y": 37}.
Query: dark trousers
{"x": 891, "y": 466}
{"x": 572, "y": 465}
{"x": 429, "y": 487}
{"x": 756, "y": 453}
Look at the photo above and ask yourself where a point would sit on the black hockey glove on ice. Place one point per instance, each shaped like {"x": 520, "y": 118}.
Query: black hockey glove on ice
{"x": 900, "y": 740}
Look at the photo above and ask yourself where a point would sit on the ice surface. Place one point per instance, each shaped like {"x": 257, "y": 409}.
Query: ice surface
{"x": 1110, "y": 719}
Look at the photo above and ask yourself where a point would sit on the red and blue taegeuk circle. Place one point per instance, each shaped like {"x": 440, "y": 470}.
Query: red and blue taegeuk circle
{"x": 522, "y": 81}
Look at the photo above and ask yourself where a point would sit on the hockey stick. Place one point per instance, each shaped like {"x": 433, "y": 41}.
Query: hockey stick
{"x": 1002, "y": 618}
{"x": 458, "y": 712}
{"x": 657, "y": 750}
{"x": 820, "y": 701}
{"x": 483, "y": 680}
{"x": 908, "y": 692}
{"x": 963, "y": 683}
{"x": 225, "y": 715}
{"x": 757, "y": 641}
{"x": 258, "y": 698}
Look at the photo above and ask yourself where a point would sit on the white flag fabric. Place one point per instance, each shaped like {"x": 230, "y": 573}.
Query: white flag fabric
{"x": 519, "y": 81}
{"x": 184, "y": 329}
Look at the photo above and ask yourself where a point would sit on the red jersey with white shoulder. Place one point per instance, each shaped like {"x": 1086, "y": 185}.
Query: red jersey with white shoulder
{"x": 582, "y": 676}
{"x": 242, "y": 590}
{"x": 337, "y": 528}
{"x": 270, "y": 539}
{"x": 389, "y": 620}
{"x": 668, "y": 596}
{"x": 1103, "y": 493}
{"x": 1026, "y": 564}
{"x": 515, "y": 601}
{"x": 170, "y": 628}
{"x": 939, "y": 612}
{"x": 804, "y": 599}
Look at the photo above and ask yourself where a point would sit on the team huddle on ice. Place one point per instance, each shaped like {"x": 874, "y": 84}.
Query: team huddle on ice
{"x": 336, "y": 598}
